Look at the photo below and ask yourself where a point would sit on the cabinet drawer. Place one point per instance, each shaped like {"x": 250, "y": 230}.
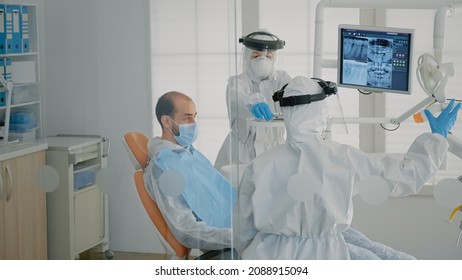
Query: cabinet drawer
{"x": 85, "y": 177}
{"x": 83, "y": 154}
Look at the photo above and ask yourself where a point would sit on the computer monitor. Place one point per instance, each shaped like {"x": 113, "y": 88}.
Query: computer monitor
{"x": 375, "y": 59}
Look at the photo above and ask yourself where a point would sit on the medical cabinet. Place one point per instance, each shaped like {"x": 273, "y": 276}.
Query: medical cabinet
{"x": 78, "y": 209}
{"x": 23, "y": 224}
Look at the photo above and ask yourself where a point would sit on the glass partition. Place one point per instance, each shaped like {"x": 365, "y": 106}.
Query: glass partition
{"x": 209, "y": 57}
{"x": 194, "y": 50}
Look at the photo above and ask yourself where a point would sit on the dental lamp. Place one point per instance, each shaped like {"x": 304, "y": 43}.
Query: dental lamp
{"x": 433, "y": 76}
{"x": 8, "y": 85}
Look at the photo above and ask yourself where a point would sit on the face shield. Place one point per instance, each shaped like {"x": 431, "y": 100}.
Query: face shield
{"x": 261, "y": 41}
{"x": 306, "y": 108}
{"x": 260, "y": 54}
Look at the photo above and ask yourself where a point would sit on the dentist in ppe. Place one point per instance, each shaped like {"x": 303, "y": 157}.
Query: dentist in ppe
{"x": 295, "y": 201}
{"x": 248, "y": 95}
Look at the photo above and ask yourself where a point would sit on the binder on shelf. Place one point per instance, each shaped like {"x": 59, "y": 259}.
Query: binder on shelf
{"x": 13, "y": 28}
{"x": 5, "y": 70}
{"x": 2, "y": 68}
{"x": 25, "y": 29}
{"x": 7, "y": 73}
{"x": 2, "y": 30}
{"x": 2, "y": 89}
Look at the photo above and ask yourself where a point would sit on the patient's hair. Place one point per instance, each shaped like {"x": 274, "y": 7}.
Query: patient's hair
{"x": 166, "y": 106}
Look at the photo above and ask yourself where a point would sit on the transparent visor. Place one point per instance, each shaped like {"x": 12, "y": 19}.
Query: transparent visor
{"x": 336, "y": 123}
{"x": 334, "y": 117}
{"x": 270, "y": 54}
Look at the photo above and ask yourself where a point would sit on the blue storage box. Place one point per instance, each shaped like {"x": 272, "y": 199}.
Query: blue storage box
{"x": 22, "y": 127}
{"x": 22, "y": 121}
{"x": 85, "y": 177}
{"x": 22, "y": 117}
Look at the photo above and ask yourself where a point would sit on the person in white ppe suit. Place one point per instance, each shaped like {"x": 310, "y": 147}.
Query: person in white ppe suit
{"x": 199, "y": 209}
{"x": 248, "y": 95}
{"x": 295, "y": 200}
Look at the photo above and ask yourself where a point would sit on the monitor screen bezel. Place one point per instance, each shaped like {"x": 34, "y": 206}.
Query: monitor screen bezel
{"x": 378, "y": 29}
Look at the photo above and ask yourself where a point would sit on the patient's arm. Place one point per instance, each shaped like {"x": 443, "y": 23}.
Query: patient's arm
{"x": 181, "y": 220}
{"x": 189, "y": 231}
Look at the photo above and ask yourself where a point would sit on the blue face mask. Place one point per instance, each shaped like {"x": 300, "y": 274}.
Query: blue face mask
{"x": 188, "y": 134}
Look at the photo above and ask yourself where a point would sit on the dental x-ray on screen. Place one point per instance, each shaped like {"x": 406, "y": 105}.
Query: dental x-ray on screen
{"x": 376, "y": 59}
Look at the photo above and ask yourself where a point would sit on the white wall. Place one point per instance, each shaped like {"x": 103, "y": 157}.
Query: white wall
{"x": 95, "y": 64}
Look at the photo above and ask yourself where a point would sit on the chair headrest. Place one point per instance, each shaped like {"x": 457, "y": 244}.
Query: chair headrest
{"x": 137, "y": 148}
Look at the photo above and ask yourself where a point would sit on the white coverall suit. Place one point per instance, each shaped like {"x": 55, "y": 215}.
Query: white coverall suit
{"x": 271, "y": 223}
{"x": 243, "y": 91}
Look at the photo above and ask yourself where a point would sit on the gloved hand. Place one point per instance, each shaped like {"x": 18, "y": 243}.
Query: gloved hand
{"x": 445, "y": 121}
{"x": 262, "y": 111}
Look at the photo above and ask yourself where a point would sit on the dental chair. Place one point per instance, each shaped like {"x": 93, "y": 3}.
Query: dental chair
{"x": 137, "y": 148}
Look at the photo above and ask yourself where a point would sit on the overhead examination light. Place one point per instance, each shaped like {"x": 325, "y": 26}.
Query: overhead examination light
{"x": 433, "y": 76}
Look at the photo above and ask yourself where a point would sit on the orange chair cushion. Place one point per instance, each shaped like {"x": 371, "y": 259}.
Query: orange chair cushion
{"x": 138, "y": 144}
{"x": 156, "y": 216}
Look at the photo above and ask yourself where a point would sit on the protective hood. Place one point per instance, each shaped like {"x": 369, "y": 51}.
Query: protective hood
{"x": 307, "y": 122}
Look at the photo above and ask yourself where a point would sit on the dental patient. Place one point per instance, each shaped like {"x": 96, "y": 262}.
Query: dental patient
{"x": 199, "y": 214}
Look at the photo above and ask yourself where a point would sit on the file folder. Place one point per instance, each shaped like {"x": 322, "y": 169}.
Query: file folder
{"x": 25, "y": 29}
{"x": 2, "y": 68}
{"x": 13, "y": 29}
{"x": 2, "y": 89}
{"x": 2, "y": 30}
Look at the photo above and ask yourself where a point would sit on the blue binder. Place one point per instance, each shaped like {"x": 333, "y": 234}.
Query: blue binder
{"x": 2, "y": 68}
{"x": 13, "y": 29}
{"x": 2, "y": 89}
{"x": 7, "y": 74}
{"x": 2, "y": 30}
{"x": 25, "y": 29}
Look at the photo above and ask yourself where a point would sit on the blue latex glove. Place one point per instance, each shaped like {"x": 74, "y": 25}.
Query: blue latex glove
{"x": 445, "y": 121}
{"x": 262, "y": 111}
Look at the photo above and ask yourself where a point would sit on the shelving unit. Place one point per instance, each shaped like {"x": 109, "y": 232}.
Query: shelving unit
{"x": 25, "y": 74}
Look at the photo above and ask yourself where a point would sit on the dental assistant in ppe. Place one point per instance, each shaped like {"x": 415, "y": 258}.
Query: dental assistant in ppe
{"x": 248, "y": 95}
{"x": 199, "y": 213}
{"x": 295, "y": 200}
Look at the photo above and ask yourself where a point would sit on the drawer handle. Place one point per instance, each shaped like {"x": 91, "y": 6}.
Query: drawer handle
{"x": 10, "y": 183}
{"x": 1, "y": 187}
{"x": 102, "y": 211}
